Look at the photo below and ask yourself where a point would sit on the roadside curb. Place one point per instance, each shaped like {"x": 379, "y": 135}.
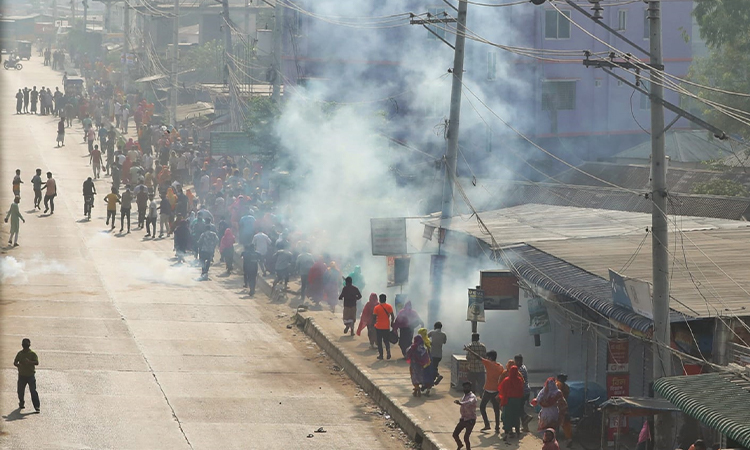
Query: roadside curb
{"x": 402, "y": 417}
{"x": 407, "y": 422}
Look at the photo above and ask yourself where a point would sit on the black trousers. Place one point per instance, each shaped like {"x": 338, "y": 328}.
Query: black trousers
{"x": 150, "y": 223}
{"x": 206, "y": 258}
{"x": 488, "y": 397}
{"x": 228, "y": 255}
{"x": 49, "y": 202}
{"x": 31, "y": 382}
{"x": 141, "y": 215}
{"x": 250, "y": 271}
{"x": 382, "y": 337}
{"x": 467, "y": 425}
{"x": 111, "y": 214}
{"x": 124, "y": 214}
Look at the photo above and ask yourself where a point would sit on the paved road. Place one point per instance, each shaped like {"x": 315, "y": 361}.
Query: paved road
{"x": 134, "y": 353}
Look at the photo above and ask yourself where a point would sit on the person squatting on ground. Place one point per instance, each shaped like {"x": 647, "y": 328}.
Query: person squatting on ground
{"x": 26, "y": 362}
{"x": 468, "y": 418}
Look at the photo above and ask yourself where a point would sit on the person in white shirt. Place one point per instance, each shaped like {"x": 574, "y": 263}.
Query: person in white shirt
{"x": 151, "y": 216}
{"x": 261, "y": 241}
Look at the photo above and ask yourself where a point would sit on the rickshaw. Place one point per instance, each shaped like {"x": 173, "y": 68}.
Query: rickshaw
{"x": 23, "y": 50}
{"x": 73, "y": 86}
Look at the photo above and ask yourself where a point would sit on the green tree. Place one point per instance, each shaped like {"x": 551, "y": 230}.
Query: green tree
{"x": 725, "y": 26}
{"x": 727, "y": 188}
{"x": 207, "y": 60}
{"x": 724, "y": 22}
{"x": 261, "y": 116}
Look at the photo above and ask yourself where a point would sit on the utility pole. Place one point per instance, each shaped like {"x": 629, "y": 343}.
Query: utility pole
{"x": 85, "y": 4}
{"x": 53, "y": 41}
{"x": 451, "y": 154}
{"x": 175, "y": 45}
{"x": 72, "y": 13}
{"x": 278, "y": 47}
{"x": 659, "y": 226}
{"x": 229, "y": 54}
{"x": 125, "y": 44}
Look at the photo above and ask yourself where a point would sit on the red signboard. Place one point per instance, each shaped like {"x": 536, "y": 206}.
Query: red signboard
{"x": 618, "y": 385}
{"x": 617, "y": 355}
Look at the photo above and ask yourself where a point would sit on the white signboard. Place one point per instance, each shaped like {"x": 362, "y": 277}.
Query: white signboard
{"x": 388, "y": 236}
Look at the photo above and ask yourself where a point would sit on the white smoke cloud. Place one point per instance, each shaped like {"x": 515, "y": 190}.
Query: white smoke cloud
{"x": 13, "y": 271}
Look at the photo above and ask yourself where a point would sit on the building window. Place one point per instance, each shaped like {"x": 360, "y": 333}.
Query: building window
{"x": 556, "y": 25}
{"x": 558, "y": 95}
{"x": 597, "y": 83}
{"x": 622, "y": 19}
{"x": 491, "y": 65}
{"x": 645, "y": 101}
{"x": 619, "y": 83}
{"x": 646, "y": 25}
{"x": 438, "y": 29}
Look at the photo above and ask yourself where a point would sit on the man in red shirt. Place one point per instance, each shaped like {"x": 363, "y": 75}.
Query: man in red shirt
{"x": 381, "y": 315}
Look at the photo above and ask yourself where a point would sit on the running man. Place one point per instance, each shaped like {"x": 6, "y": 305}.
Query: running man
{"x": 206, "y": 247}
{"x": 112, "y": 199}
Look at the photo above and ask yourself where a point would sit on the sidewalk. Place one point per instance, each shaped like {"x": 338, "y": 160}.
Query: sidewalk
{"x": 428, "y": 420}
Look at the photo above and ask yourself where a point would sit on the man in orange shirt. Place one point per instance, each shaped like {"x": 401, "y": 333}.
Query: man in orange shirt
{"x": 493, "y": 372}
{"x": 381, "y": 315}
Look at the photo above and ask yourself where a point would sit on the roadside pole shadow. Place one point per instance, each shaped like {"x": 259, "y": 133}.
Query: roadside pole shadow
{"x": 17, "y": 415}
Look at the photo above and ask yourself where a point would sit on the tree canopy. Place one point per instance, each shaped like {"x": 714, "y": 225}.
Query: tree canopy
{"x": 724, "y": 22}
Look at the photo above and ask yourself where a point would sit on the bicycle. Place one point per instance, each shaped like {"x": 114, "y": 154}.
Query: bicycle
{"x": 88, "y": 204}
{"x": 587, "y": 429}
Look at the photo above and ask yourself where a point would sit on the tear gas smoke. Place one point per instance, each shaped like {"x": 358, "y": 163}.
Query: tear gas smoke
{"x": 13, "y": 271}
{"x": 343, "y": 172}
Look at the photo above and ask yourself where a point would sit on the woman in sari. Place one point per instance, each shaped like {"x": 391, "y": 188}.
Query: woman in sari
{"x": 315, "y": 281}
{"x": 418, "y": 358}
{"x": 553, "y": 405}
{"x": 405, "y": 323}
{"x": 510, "y": 391}
{"x": 429, "y": 372}
{"x": 365, "y": 320}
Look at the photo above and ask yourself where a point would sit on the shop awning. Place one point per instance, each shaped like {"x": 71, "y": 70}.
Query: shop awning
{"x": 637, "y": 406}
{"x": 718, "y": 400}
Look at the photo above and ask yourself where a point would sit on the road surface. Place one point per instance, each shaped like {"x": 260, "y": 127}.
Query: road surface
{"x": 134, "y": 352}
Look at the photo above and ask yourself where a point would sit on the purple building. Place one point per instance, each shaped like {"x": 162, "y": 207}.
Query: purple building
{"x": 576, "y": 112}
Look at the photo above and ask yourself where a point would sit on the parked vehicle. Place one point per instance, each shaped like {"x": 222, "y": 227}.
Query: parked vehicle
{"x": 23, "y": 50}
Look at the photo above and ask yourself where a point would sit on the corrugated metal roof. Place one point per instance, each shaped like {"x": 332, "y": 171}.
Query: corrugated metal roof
{"x": 683, "y": 146}
{"x": 592, "y": 241}
{"x": 560, "y": 277}
{"x": 636, "y": 176}
{"x": 493, "y": 194}
{"x": 719, "y": 400}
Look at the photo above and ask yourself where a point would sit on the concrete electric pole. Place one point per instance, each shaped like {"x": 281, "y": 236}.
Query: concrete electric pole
{"x": 125, "y": 44}
{"x": 175, "y": 45}
{"x": 278, "y": 47}
{"x": 659, "y": 226}
{"x": 229, "y": 54}
{"x": 451, "y": 154}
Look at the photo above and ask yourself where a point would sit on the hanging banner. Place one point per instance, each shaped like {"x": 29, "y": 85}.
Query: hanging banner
{"x": 500, "y": 290}
{"x": 617, "y": 355}
{"x": 475, "y": 312}
{"x": 539, "y": 322}
{"x": 632, "y": 294}
{"x": 397, "y": 270}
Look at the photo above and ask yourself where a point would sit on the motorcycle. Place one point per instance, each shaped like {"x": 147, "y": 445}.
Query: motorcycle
{"x": 12, "y": 63}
